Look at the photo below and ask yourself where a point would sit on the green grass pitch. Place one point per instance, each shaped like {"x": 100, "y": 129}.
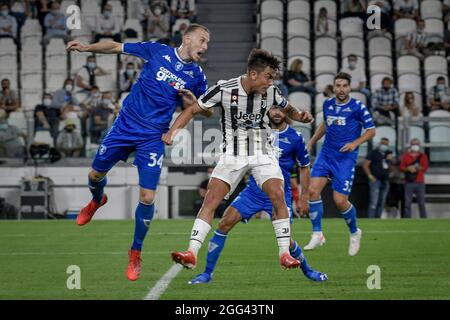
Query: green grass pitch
{"x": 413, "y": 255}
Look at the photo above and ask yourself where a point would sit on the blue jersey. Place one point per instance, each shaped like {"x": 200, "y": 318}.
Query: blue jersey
{"x": 153, "y": 98}
{"x": 344, "y": 123}
{"x": 290, "y": 147}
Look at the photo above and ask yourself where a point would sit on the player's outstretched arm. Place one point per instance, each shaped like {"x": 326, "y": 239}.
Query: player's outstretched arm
{"x": 99, "y": 47}
{"x": 297, "y": 115}
{"x": 318, "y": 134}
{"x": 349, "y": 147}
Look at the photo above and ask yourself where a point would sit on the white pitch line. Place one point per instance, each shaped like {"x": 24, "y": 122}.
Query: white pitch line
{"x": 163, "y": 283}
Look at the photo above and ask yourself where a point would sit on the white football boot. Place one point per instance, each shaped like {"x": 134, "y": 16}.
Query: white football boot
{"x": 317, "y": 240}
{"x": 355, "y": 239}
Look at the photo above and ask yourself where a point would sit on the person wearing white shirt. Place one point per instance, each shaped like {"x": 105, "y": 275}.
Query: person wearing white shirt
{"x": 107, "y": 25}
{"x": 8, "y": 24}
{"x": 358, "y": 75}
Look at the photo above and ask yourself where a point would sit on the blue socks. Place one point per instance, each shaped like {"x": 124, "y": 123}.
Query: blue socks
{"x": 350, "y": 218}
{"x": 215, "y": 247}
{"x": 297, "y": 253}
{"x": 143, "y": 217}
{"x": 96, "y": 188}
{"x": 315, "y": 214}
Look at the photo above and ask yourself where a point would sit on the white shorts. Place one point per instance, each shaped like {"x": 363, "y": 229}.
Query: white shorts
{"x": 231, "y": 169}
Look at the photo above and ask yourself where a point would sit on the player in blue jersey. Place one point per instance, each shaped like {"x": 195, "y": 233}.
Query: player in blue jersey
{"x": 145, "y": 116}
{"x": 291, "y": 149}
{"x": 344, "y": 118}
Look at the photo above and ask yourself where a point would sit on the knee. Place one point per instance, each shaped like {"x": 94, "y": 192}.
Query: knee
{"x": 277, "y": 195}
{"x": 314, "y": 194}
{"x": 96, "y": 176}
{"x": 224, "y": 226}
{"x": 341, "y": 202}
{"x": 147, "y": 197}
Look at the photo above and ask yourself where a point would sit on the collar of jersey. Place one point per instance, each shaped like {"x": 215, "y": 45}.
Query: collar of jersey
{"x": 179, "y": 58}
{"x": 285, "y": 129}
{"x": 344, "y": 104}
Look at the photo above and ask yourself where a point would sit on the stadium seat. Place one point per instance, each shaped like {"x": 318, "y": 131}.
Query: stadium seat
{"x": 274, "y": 45}
{"x": 298, "y": 9}
{"x": 271, "y": 9}
{"x": 351, "y": 27}
{"x": 107, "y": 61}
{"x": 55, "y": 79}
{"x": 435, "y": 64}
{"x": 380, "y": 46}
{"x": 385, "y": 132}
{"x": 430, "y": 80}
{"x": 117, "y": 10}
{"x": 17, "y": 119}
{"x": 107, "y": 82}
{"x": 329, "y": 5}
{"x": 404, "y": 26}
{"x": 409, "y": 82}
{"x": 78, "y": 60}
{"x": 89, "y": 11}
{"x": 65, "y": 4}
{"x": 380, "y": 64}
{"x": 323, "y": 80}
{"x": 439, "y": 114}
{"x": 375, "y": 81}
{"x": 85, "y": 32}
{"x": 352, "y": 45}
{"x": 318, "y": 118}
{"x": 431, "y": 9}
{"x": 435, "y": 29}
{"x": 325, "y": 46}
{"x": 8, "y": 61}
{"x": 31, "y": 29}
{"x": 299, "y": 47}
{"x": 7, "y": 46}
{"x": 416, "y": 132}
{"x": 56, "y": 55}
{"x": 325, "y": 65}
{"x": 408, "y": 64}
{"x": 31, "y": 79}
{"x": 417, "y": 98}
{"x": 440, "y": 134}
{"x": 91, "y": 148}
{"x": 319, "y": 100}
{"x": 298, "y": 28}
{"x": 30, "y": 98}
{"x": 301, "y": 100}
{"x": 31, "y": 61}
{"x": 43, "y": 136}
{"x": 271, "y": 28}
{"x": 306, "y": 63}
{"x": 359, "y": 96}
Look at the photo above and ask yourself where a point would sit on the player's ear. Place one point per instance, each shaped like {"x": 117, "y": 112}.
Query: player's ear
{"x": 253, "y": 74}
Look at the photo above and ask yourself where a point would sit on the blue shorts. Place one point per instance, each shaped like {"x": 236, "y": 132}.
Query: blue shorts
{"x": 248, "y": 203}
{"x": 118, "y": 144}
{"x": 341, "y": 171}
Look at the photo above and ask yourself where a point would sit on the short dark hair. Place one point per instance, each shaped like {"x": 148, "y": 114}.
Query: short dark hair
{"x": 344, "y": 76}
{"x": 260, "y": 59}
{"x": 385, "y": 79}
{"x": 195, "y": 26}
{"x": 440, "y": 78}
{"x": 352, "y": 56}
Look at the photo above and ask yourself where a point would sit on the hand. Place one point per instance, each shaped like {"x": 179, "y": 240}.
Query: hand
{"x": 309, "y": 147}
{"x": 348, "y": 147}
{"x": 412, "y": 169}
{"x": 188, "y": 97}
{"x": 306, "y": 117}
{"x": 372, "y": 178}
{"x": 77, "y": 46}
{"x": 167, "y": 138}
{"x": 302, "y": 206}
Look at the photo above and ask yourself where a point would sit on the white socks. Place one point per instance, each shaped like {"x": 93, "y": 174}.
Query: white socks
{"x": 282, "y": 229}
{"x": 199, "y": 232}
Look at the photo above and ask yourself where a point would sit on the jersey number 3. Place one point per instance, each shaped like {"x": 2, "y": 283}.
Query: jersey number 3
{"x": 153, "y": 162}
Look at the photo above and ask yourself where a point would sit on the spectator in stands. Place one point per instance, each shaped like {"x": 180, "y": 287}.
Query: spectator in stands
{"x": 322, "y": 23}
{"x": 414, "y": 164}
{"x": 85, "y": 78}
{"x": 69, "y": 142}
{"x": 385, "y": 103}
{"x": 297, "y": 80}
{"x": 406, "y": 9}
{"x": 43, "y": 112}
{"x": 93, "y": 98}
{"x": 8, "y": 23}
{"x": 128, "y": 77}
{"x": 11, "y": 146}
{"x": 65, "y": 95}
{"x": 377, "y": 168}
{"x": 182, "y": 9}
{"x": 107, "y": 26}
{"x": 178, "y": 30}
{"x": 42, "y": 7}
{"x": 8, "y": 97}
{"x": 439, "y": 96}
{"x": 409, "y": 107}
{"x": 102, "y": 117}
{"x": 55, "y": 24}
{"x": 20, "y": 9}
{"x": 353, "y": 8}
{"x": 328, "y": 92}
{"x": 417, "y": 42}
{"x": 159, "y": 21}
{"x": 358, "y": 75}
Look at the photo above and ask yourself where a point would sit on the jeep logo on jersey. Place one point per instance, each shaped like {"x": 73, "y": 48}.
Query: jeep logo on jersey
{"x": 248, "y": 116}
{"x": 339, "y": 121}
{"x": 165, "y": 75}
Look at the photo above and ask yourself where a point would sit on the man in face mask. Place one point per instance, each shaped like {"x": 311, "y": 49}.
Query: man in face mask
{"x": 107, "y": 26}
{"x": 69, "y": 142}
{"x": 10, "y": 144}
{"x": 102, "y": 116}
{"x": 128, "y": 77}
{"x": 385, "y": 103}
{"x": 8, "y": 98}
{"x": 8, "y": 24}
{"x": 439, "y": 95}
{"x": 158, "y": 21}
{"x": 414, "y": 164}
{"x": 358, "y": 75}
{"x": 86, "y": 77}
{"x": 377, "y": 167}
{"x": 42, "y": 113}
{"x": 55, "y": 24}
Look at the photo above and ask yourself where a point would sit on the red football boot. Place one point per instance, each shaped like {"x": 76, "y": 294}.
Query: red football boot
{"x": 288, "y": 262}
{"x": 85, "y": 215}
{"x": 185, "y": 258}
{"x": 134, "y": 265}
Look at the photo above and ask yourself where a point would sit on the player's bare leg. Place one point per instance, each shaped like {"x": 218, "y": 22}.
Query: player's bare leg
{"x": 216, "y": 192}
{"x": 97, "y": 182}
{"x": 280, "y": 220}
{"x": 316, "y": 212}
{"x": 348, "y": 212}
{"x": 143, "y": 217}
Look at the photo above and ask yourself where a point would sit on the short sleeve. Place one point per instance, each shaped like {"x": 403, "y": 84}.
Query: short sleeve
{"x": 365, "y": 117}
{"x": 201, "y": 85}
{"x": 278, "y": 99}
{"x": 210, "y": 98}
{"x": 301, "y": 152}
{"x": 142, "y": 50}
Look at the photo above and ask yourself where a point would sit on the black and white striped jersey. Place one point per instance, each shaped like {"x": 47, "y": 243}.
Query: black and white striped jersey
{"x": 245, "y": 121}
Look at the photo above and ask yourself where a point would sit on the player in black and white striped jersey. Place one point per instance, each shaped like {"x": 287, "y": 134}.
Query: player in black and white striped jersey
{"x": 247, "y": 147}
